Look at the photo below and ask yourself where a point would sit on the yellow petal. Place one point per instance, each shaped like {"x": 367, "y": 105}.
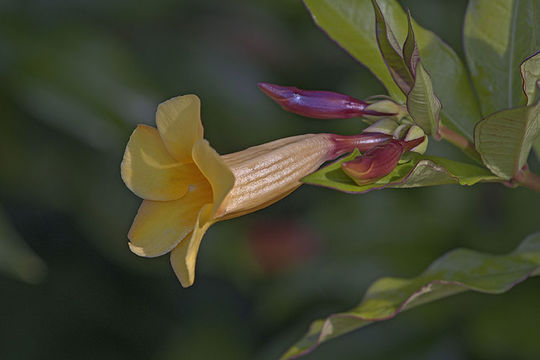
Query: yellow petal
{"x": 215, "y": 170}
{"x": 150, "y": 172}
{"x": 184, "y": 256}
{"x": 160, "y": 225}
{"x": 179, "y": 124}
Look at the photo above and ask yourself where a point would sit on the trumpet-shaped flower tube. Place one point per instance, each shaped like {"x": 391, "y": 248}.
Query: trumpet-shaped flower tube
{"x": 187, "y": 186}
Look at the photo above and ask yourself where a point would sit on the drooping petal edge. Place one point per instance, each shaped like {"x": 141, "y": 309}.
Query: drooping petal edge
{"x": 184, "y": 256}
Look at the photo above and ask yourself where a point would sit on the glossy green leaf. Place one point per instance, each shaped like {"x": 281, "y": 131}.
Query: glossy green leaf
{"x": 422, "y": 103}
{"x": 504, "y": 139}
{"x": 530, "y": 73}
{"x": 16, "y": 258}
{"x": 411, "y": 54}
{"x": 420, "y": 170}
{"x": 351, "y": 24}
{"x": 499, "y": 34}
{"x": 391, "y": 52}
{"x": 457, "y": 271}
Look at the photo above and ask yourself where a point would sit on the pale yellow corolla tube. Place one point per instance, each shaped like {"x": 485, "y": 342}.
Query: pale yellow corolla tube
{"x": 187, "y": 186}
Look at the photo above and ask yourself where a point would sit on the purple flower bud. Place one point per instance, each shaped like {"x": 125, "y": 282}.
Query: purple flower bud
{"x": 363, "y": 142}
{"x": 378, "y": 161}
{"x": 317, "y": 104}
{"x": 374, "y": 163}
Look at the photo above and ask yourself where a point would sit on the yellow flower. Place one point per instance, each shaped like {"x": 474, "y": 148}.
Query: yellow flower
{"x": 187, "y": 186}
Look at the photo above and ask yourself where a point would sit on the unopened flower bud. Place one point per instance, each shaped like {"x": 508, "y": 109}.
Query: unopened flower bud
{"x": 374, "y": 163}
{"x": 317, "y": 104}
{"x": 416, "y": 132}
{"x": 363, "y": 142}
{"x": 396, "y": 111}
{"x": 384, "y": 126}
{"x": 379, "y": 161}
{"x": 401, "y": 131}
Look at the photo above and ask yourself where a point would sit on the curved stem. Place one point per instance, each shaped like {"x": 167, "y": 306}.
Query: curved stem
{"x": 523, "y": 177}
{"x": 528, "y": 179}
{"x": 461, "y": 142}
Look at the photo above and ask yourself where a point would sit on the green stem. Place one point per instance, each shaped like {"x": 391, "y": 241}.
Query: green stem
{"x": 461, "y": 142}
{"x": 523, "y": 177}
{"x": 528, "y": 179}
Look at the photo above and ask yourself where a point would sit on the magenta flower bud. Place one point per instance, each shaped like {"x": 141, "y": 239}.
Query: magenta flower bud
{"x": 317, "y": 104}
{"x": 378, "y": 161}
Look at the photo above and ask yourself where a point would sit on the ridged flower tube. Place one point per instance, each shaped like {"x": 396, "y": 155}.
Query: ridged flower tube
{"x": 186, "y": 186}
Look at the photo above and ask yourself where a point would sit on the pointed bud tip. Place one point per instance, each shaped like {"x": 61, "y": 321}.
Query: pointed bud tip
{"x": 276, "y": 92}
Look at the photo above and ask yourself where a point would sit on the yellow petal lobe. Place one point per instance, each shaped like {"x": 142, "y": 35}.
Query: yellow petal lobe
{"x": 215, "y": 170}
{"x": 149, "y": 170}
{"x": 179, "y": 123}
{"x": 160, "y": 225}
{"x": 184, "y": 256}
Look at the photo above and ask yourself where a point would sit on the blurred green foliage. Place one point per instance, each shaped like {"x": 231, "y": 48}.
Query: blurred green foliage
{"x": 76, "y": 76}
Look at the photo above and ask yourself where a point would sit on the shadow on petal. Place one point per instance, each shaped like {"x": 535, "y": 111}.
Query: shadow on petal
{"x": 160, "y": 225}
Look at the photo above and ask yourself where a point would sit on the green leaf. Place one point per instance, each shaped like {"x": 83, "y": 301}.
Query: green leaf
{"x": 420, "y": 170}
{"x": 499, "y": 34}
{"x": 351, "y": 24}
{"x": 536, "y": 146}
{"x": 16, "y": 258}
{"x": 423, "y": 105}
{"x": 391, "y": 52}
{"x": 411, "y": 54}
{"x": 457, "y": 271}
{"x": 504, "y": 139}
{"x": 530, "y": 73}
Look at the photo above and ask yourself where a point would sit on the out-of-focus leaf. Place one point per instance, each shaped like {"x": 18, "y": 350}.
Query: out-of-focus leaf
{"x": 391, "y": 52}
{"x": 84, "y": 84}
{"x": 530, "y": 72}
{"x": 16, "y": 258}
{"x": 457, "y": 271}
{"x": 504, "y": 139}
{"x": 499, "y": 34}
{"x": 423, "y": 104}
{"x": 419, "y": 171}
{"x": 351, "y": 23}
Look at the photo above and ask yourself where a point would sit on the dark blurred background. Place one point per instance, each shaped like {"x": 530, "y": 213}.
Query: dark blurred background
{"x": 75, "y": 78}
